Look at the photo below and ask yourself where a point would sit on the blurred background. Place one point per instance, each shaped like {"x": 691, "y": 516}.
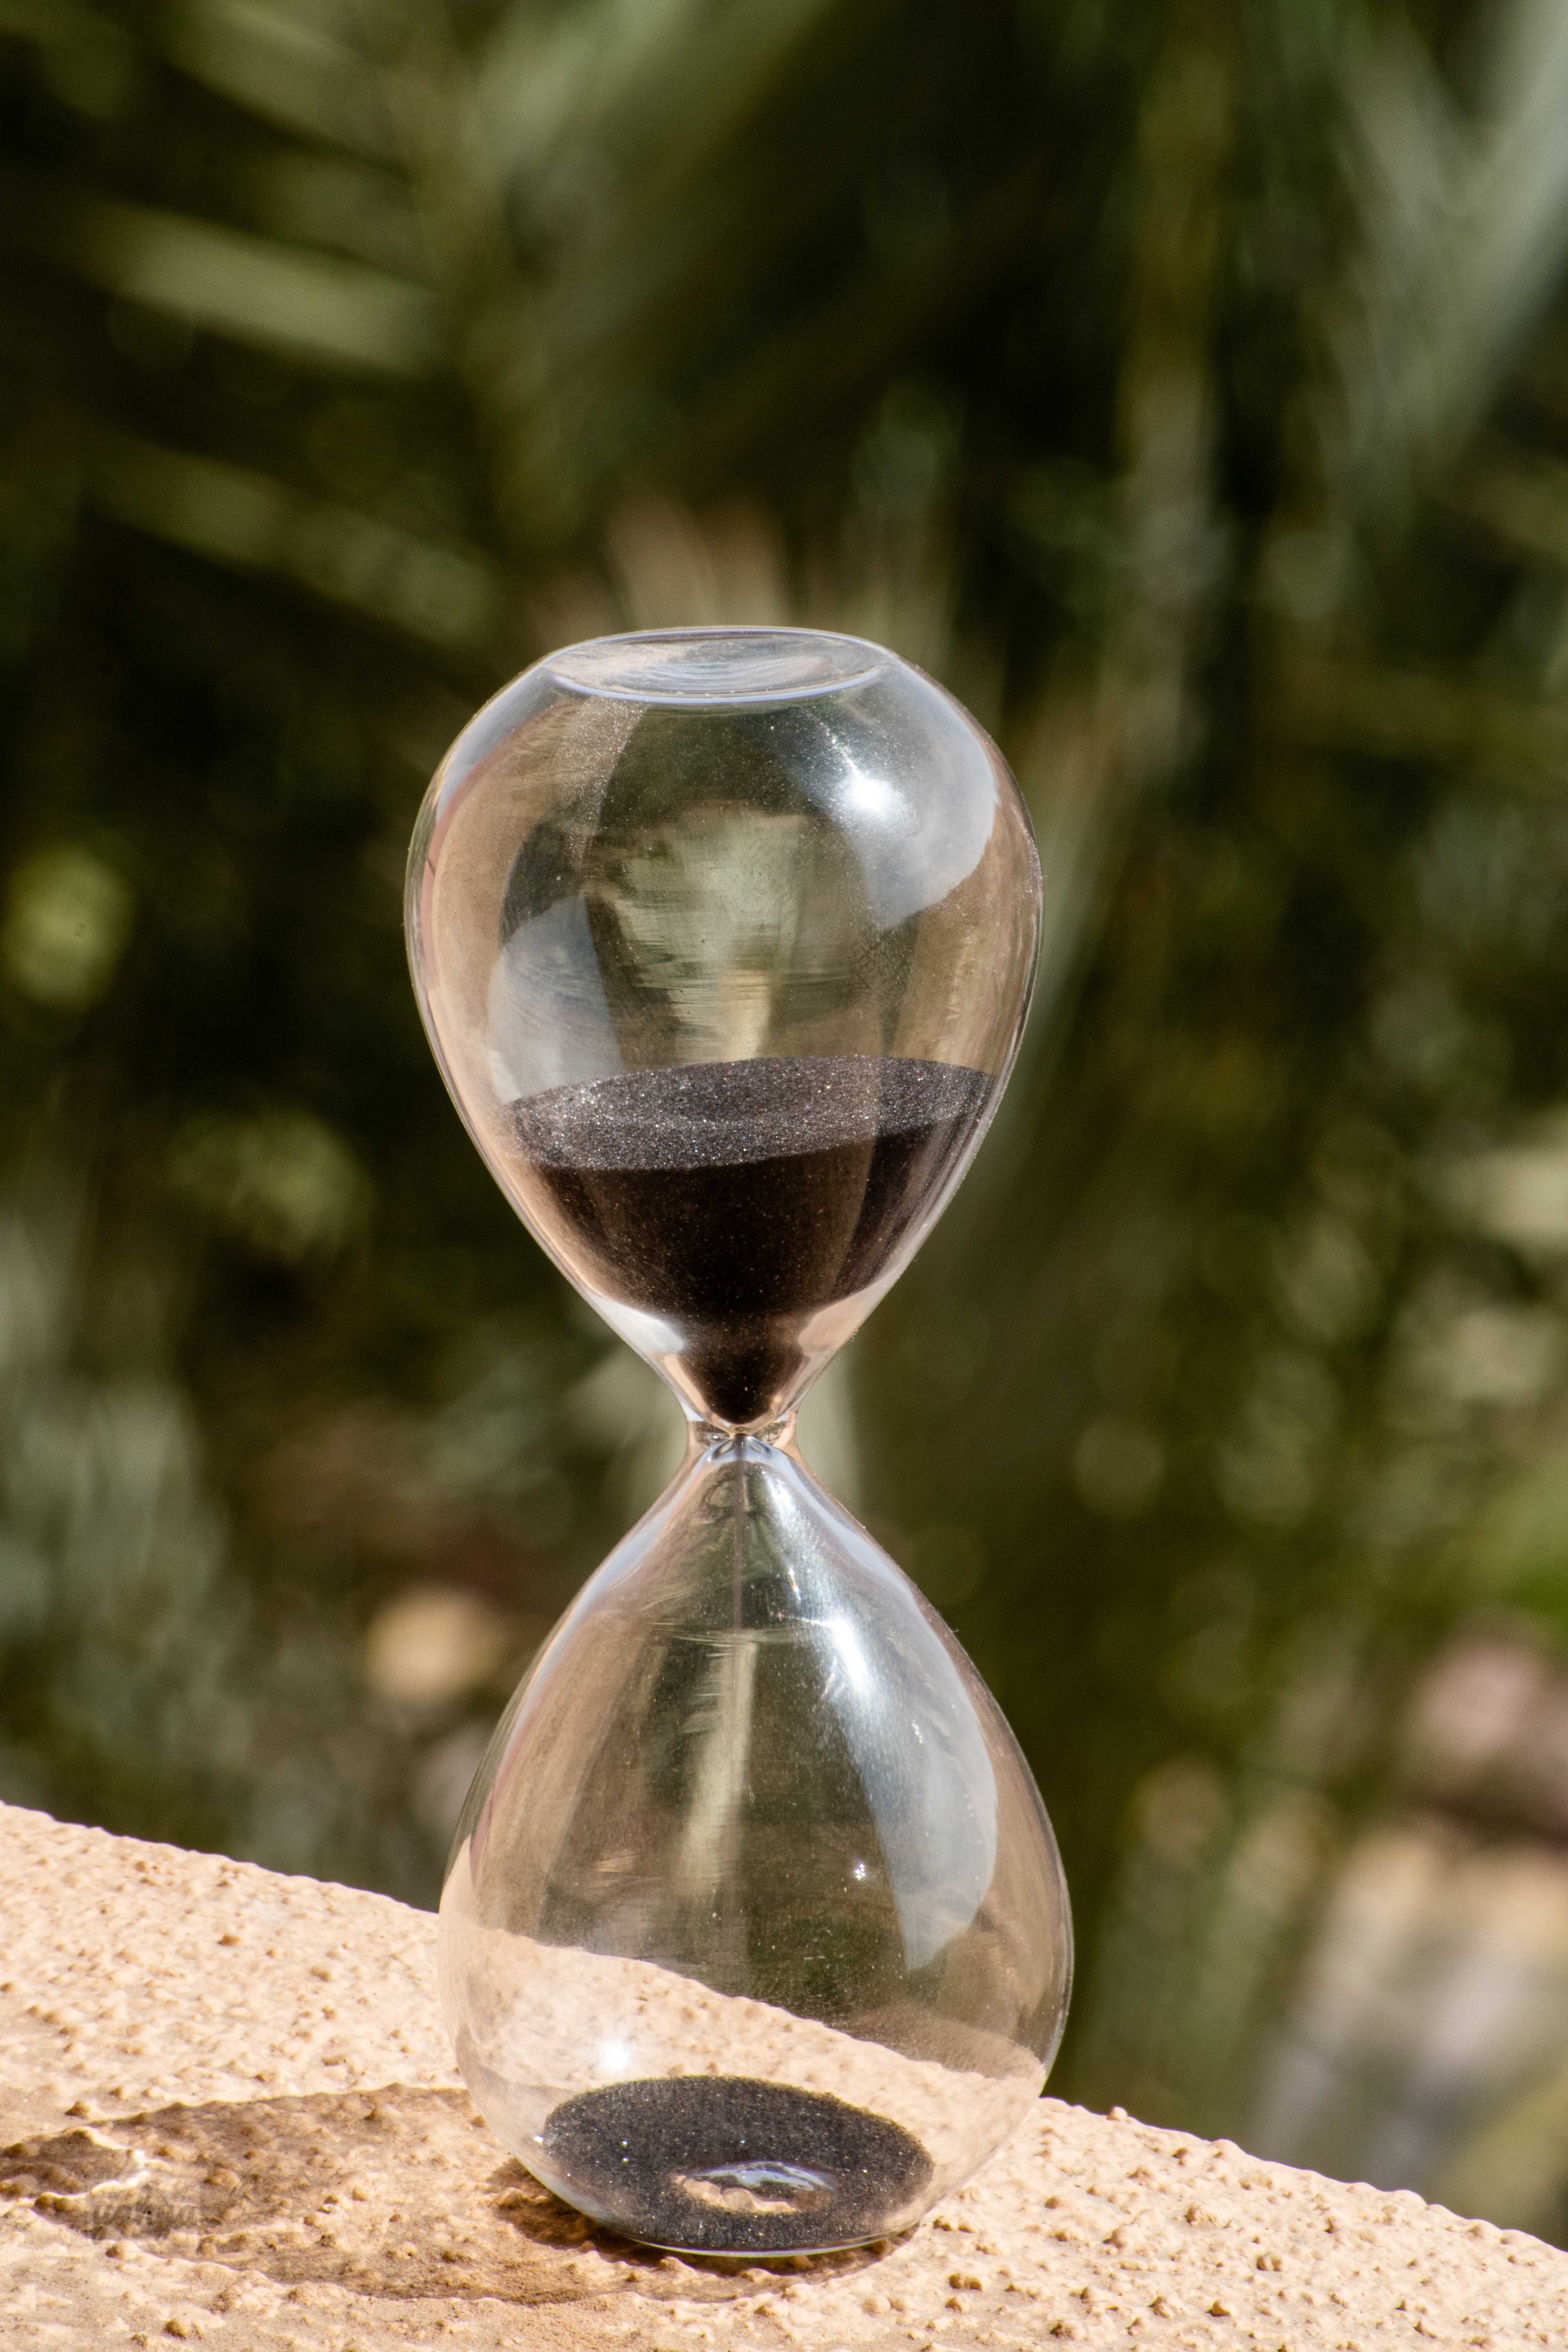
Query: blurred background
{"x": 1186, "y": 383}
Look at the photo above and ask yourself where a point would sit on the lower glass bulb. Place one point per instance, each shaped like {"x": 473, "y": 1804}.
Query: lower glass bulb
{"x": 754, "y": 1940}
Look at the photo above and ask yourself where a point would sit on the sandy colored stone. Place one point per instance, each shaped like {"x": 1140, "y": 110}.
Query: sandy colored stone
{"x": 229, "y": 2116}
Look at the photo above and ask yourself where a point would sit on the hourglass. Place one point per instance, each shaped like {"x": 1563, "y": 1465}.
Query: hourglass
{"x": 753, "y": 1940}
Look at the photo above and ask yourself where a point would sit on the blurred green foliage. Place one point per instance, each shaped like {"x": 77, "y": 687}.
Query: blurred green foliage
{"x": 1188, "y": 386}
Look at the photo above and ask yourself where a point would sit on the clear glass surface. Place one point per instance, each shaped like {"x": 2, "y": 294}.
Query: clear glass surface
{"x": 723, "y": 940}
{"x": 755, "y": 1937}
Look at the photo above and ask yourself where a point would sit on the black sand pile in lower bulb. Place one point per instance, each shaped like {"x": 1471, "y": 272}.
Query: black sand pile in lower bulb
{"x": 723, "y": 2164}
{"x": 735, "y": 1199}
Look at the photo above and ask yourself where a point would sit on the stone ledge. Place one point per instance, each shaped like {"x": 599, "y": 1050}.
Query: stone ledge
{"x": 229, "y": 2115}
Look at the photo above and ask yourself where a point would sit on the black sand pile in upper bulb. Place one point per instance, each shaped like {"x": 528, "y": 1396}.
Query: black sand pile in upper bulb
{"x": 694, "y": 2162}
{"x": 737, "y": 1197}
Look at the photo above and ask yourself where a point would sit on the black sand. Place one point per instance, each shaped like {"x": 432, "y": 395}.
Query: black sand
{"x": 737, "y": 1197}
{"x": 696, "y": 2162}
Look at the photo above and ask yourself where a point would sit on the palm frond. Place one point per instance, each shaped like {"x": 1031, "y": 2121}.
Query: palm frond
{"x": 445, "y": 596}
{"x": 253, "y": 289}
{"x": 284, "y": 64}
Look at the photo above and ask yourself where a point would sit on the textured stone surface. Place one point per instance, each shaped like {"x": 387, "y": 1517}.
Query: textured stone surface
{"x": 228, "y": 2115}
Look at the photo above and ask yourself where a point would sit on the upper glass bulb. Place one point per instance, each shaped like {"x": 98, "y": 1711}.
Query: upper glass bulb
{"x": 723, "y": 939}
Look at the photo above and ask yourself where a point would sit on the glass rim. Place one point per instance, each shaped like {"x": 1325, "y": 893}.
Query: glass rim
{"x": 760, "y": 663}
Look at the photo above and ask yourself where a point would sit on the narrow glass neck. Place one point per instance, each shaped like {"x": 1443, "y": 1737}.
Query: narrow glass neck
{"x": 702, "y": 1436}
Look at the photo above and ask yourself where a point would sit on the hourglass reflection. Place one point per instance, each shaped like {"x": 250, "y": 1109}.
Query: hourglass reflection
{"x": 754, "y": 1937}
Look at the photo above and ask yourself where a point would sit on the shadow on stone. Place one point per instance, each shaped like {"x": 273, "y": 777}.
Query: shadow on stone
{"x": 388, "y": 2194}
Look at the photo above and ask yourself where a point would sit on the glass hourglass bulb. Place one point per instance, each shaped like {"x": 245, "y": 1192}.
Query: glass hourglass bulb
{"x": 754, "y": 1938}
